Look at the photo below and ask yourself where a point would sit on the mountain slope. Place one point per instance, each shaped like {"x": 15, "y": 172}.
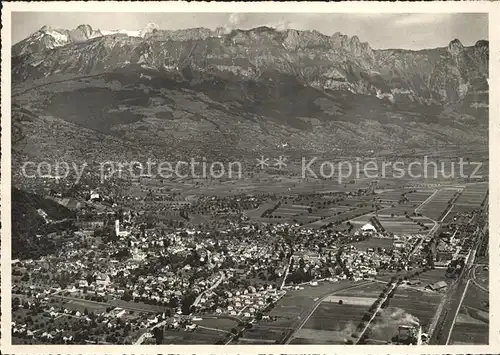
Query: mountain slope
{"x": 32, "y": 215}
{"x": 48, "y": 38}
{"x": 244, "y": 91}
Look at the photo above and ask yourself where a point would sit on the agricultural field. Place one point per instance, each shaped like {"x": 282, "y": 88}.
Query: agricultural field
{"x": 221, "y": 323}
{"x": 432, "y": 276}
{"x": 331, "y": 323}
{"x": 374, "y": 243}
{"x": 199, "y": 335}
{"x": 456, "y": 211}
{"x": 394, "y": 219}
{"x": 400, "y": 209}
{"x": 472, "y": 323}
{"x": 209, "y": 330}
{"x": 345, "y": 216}
{"x": 313, "y": 210}
{"x": 483, "y": 171}
{"x": 266, "y": 182}
{"x": 82, "y": 305}
{"x": 405, "y": 308}
{"x": 473, "y": 195}
{"x": 398, "y": 225}
{"x": 419, "y": 195}
{"x": 427, "y": 277}
{"x": 289, "y": 311}
{"x": 256, "y": 213}
{"x": 395, "y": 195}
{"x": 469, "y": 200}
{"x": 481, "y": 276}
{"x": 437, "y": 204}
{"x": 396, "y": 205}
{"x": 256, "y": 183}
{"x": 334, "y": 322}
{"x": 402, "y": 225}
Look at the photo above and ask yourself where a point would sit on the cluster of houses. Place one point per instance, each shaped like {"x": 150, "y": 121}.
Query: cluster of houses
{"x": 248, "y": 302}
{"x": 236, "y": 271}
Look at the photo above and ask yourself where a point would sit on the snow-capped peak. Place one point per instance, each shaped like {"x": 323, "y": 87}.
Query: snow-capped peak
{"x": 130, "y": 33}
{"x": 60, "y": 39}
{"x": 150, "y": 27}
{"x": 50, "y": 38}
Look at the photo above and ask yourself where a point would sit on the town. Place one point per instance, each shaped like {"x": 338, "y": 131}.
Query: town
{"x": 161, "y": 267}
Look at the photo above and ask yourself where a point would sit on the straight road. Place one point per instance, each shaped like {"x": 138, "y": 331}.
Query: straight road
{"x": 426, "y": 200}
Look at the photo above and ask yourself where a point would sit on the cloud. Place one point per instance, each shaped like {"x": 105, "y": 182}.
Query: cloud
{"x": 282, "y": 25}
{"x": 419, "y": 19}
{"x": 236, "y": 18}
{"x": 234, "y": 21}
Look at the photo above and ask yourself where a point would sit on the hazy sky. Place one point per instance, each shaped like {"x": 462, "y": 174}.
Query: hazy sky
{"x": 410, "y": 31}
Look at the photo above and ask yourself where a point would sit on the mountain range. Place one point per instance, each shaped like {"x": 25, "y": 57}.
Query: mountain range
{"x": 202, "y": 91}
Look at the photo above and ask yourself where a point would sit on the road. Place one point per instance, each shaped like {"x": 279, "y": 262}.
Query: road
{"x": 315, "y": 305}
{"x": 287, "y": 271}
{"x": 214, "y": 286}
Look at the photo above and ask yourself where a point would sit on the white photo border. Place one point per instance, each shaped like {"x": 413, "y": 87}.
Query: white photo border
{"x": 492, "y": 8}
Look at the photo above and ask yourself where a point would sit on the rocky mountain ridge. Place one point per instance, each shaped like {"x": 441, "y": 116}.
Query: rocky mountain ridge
{"x": 336, "y": 62}
{"x": 318, "y": 92}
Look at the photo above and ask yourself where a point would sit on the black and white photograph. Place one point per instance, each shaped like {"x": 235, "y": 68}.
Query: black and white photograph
{"x": 242, "y": 178}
